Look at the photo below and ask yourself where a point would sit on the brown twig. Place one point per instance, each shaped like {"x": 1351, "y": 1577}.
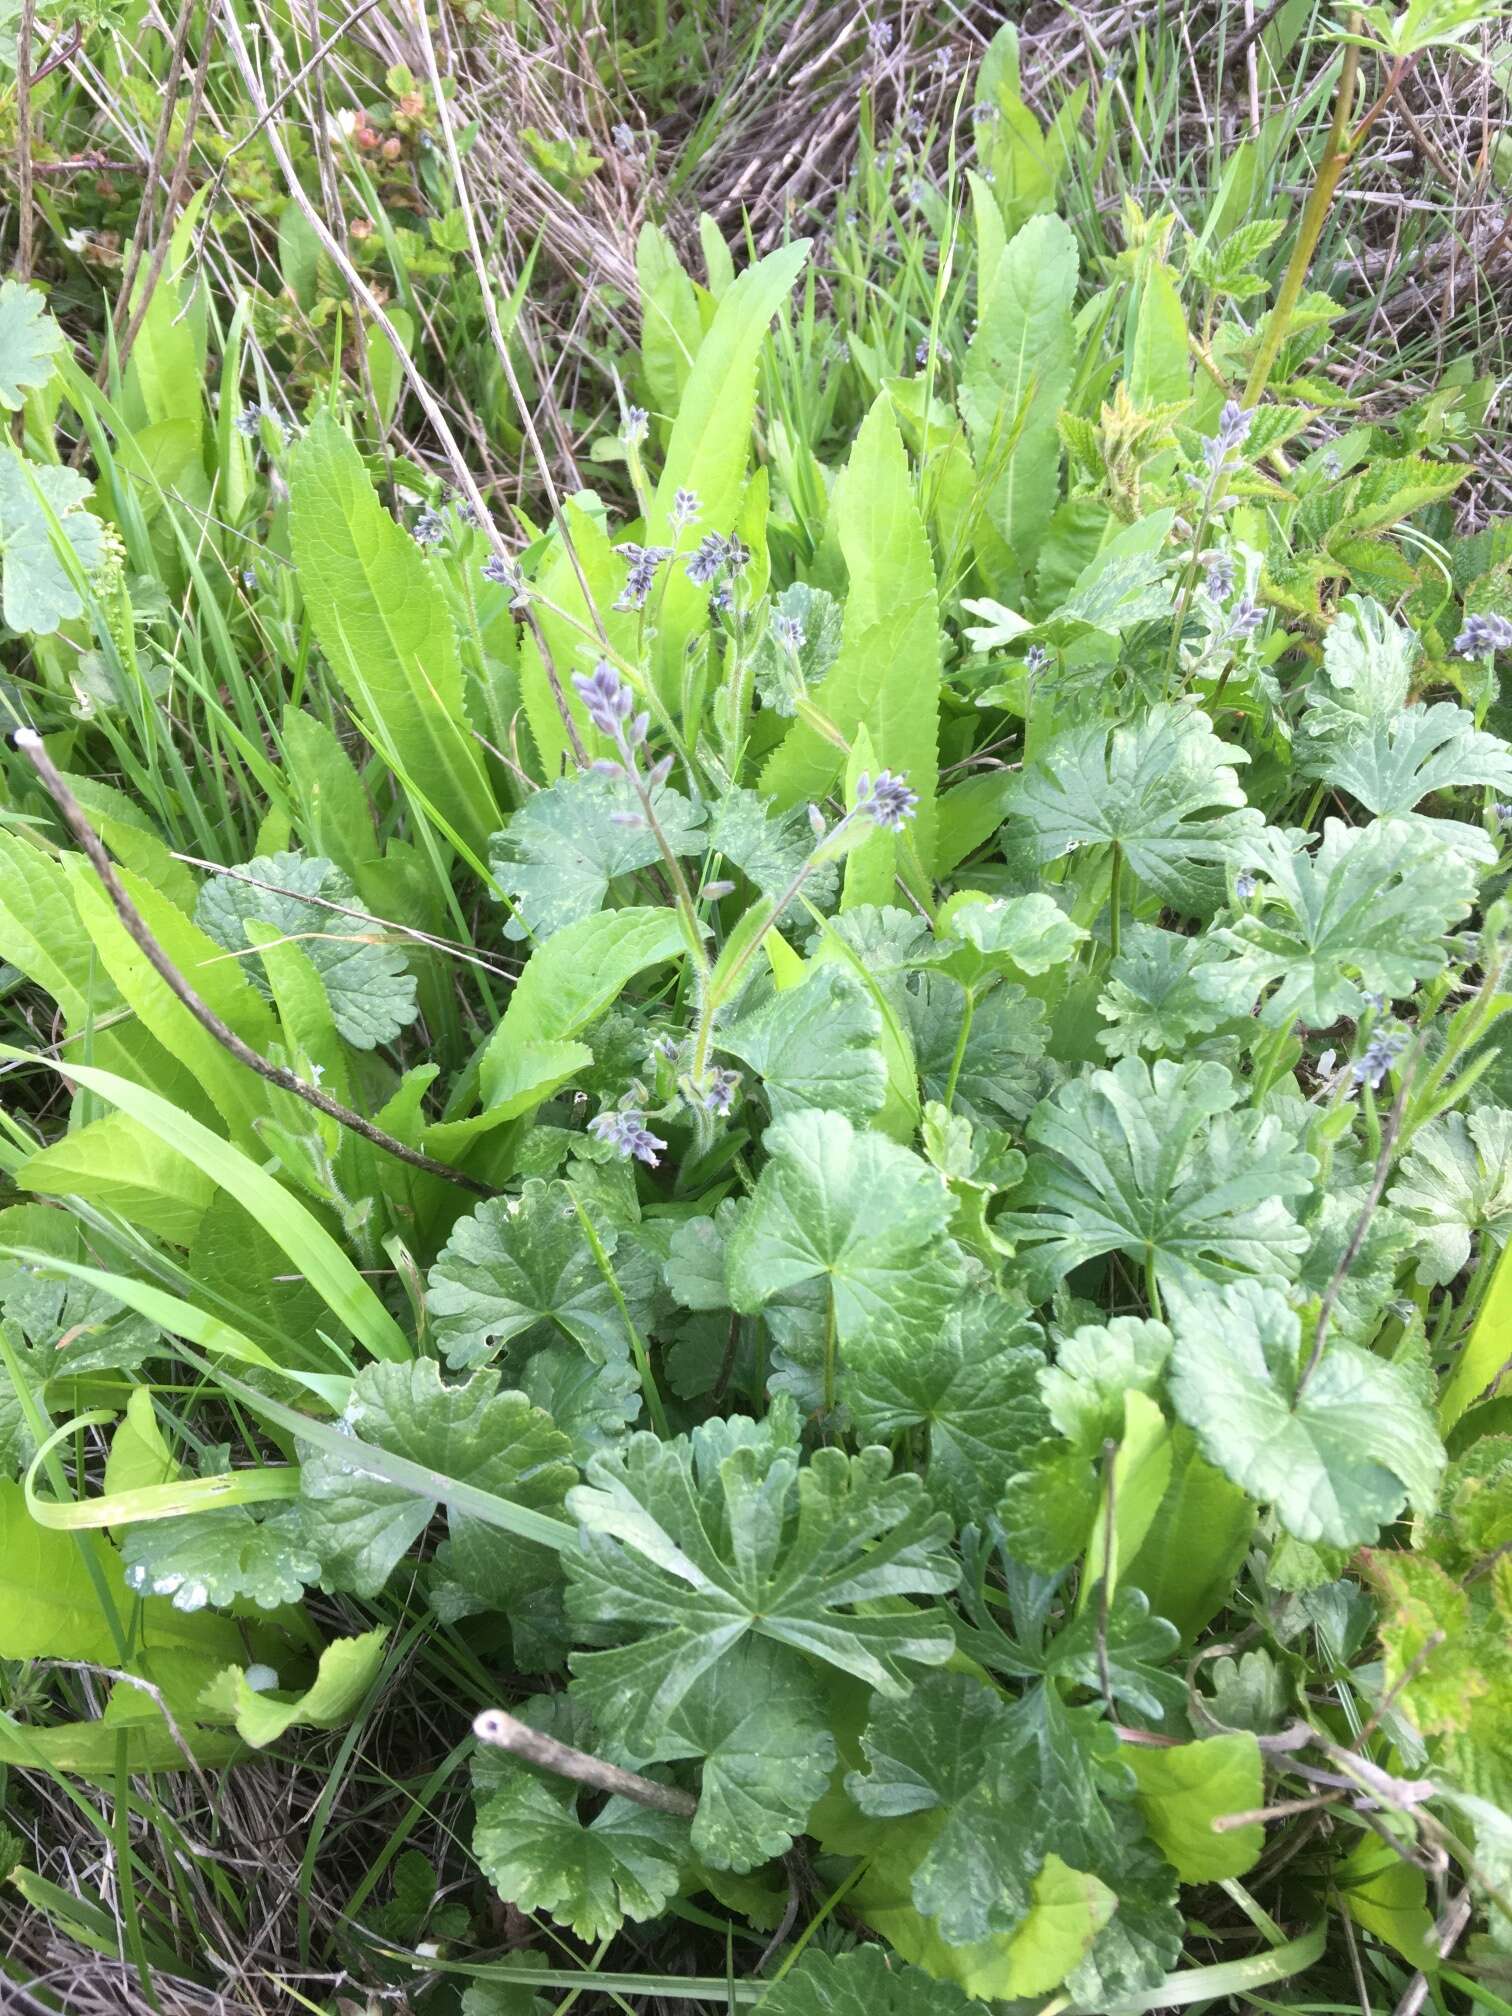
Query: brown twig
{"x": 503, "y": 1731}
{"x": 29, "y": 744}
{"x": 23, "y": 137}
{"x": 171, "y": 202}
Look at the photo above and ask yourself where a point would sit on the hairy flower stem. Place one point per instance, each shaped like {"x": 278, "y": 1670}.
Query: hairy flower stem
{"x": 722, "y": 988}
{"x": 1115, "y": 898}
{"x": 960, "y": 1049}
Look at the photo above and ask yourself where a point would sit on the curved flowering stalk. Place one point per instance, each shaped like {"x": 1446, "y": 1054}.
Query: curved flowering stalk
{"x": 885, "y": 800}
{"x": 610, "y": 703}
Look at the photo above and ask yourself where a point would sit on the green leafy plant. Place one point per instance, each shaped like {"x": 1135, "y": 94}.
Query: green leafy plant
{"x": 821, "y": 1141}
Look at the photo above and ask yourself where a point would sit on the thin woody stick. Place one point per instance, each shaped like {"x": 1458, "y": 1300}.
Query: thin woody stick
{"x": 29, "y": 743}
{"x": 504, "y": 1731}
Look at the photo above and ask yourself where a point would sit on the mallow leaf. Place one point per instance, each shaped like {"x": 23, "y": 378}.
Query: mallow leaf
{"x": 540, "y": 1854}
{"x": 1095, "y": 1366}
{"x": 867, "y": 1981}
{"x": 689, "y": 1546}
{"x": 1363, "y": 914}
{"x": 367, "y": 980}
{"x": 1163, "y": 992}
{"x": 30, "y": 339}
{"x": 1453, "y": 1185}
{"x": 997, "y": 1076}
{"x": 767, "y": 847}
{"x": 36, "y": 593}
{"x": 1163, "y": 788}
{"x": 1337, "y": 1456}
{"x": 760, "y": 1724}
{"x": 1154, "y": 1161}
{"x": 219, "y": 1556}
{"x": 518, "y": 1272}
{"x": 815, "y": 1045}
{"x": 1368, "y": 659}
{"x": 975, "y": 1390}
{"x": 566, "y": 844}
{"x": 850, "y": 1209}
{"x": 1006, "y": 1783}
{"x": 361, "y": 1525}
{"x": 1003, "y": 936}
{"x": 1390, "y": 766}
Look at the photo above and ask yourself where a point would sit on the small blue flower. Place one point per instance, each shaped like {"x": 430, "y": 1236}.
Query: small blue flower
{"x": 633, "y": 429}
{"x": 1244, "y": 885}
{"x": 1220, "y": 573}
{"x": 623, "y": 136}
{"x": 605, "y": 696}
{"x": 644, "y": 561}
{"x": 789, "y": 632}
{"x": 504, "y": 572}
{"x": 685, "y": 509}
{"x": 627, "y": 1131}
{"x": 429, "y": 527}
{"x": 880, "y": 36}
{"x": 706, "y": 559}
{"x": 1483, "y": 636}
{"x": 718, "y": 1092}
{"x": 1036, "y": 658}
{"x": 1219, "y": 449}
{"x": 888, "y": 800}
{"x": 1381, "y": 1052}
{"x": 1244, "y": 620}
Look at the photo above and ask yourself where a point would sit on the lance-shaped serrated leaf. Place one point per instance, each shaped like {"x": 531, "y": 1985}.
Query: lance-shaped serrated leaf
{"x": 1365, "y": 913}
{"x": 219, "y": 1557}
{"x": 815, "y": 1045}
{"x": 519, "y": 1270}
{"x": 360, "y": 1524}
{"x": 29, "y": 341}
{"x": 1163, "y": 788}
{"x": 1004, "y": 936}
{"x": 975, "y": 1389}
{"x": 36, "y": 593}
{"x": 788, "y": 664}
{"x": 759, "y": 1722}
{"x": 366, "y": 979}
{"x": 541, "y": 1855}
{"x": 1162, "y": 992}
{"x": 1338, "y": 1456}
{"x": 851, "y": 1209}
{"x": 1015, "y": 378}
{"x": 565, "y": 845}
{"x": 867, "y": 1981}
{"x": 690, "y": 1546}
{"x": 1445, "y": 1653}
{"x": 1153, "y": 1161}
{"x": 1453, "y": 1185}
{"x": 347, "y": 1669}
